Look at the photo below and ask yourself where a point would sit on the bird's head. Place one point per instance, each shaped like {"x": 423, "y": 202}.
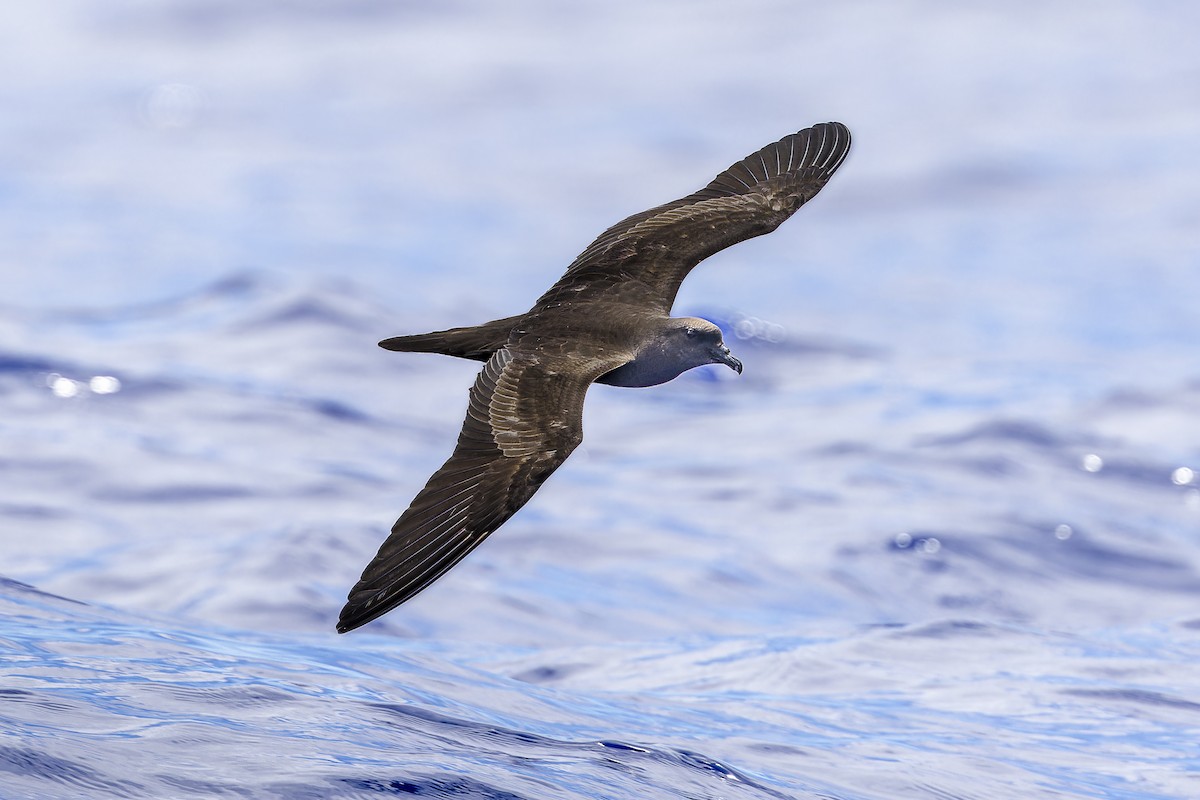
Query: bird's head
{"x": 703, "y": 343}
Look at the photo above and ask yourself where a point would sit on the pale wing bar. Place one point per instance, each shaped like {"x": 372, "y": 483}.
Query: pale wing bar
{"x": 509, "y": 445}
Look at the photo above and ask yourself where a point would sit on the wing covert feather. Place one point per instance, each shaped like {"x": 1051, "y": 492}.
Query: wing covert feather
{"x": 523, "y": 419}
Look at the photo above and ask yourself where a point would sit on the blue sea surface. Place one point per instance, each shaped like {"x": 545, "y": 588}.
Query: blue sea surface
{"x": 940, "y": 540}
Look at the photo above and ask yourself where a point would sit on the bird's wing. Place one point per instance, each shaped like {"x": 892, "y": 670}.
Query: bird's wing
{"x": 524, "y": 418}
{"x": 644, "y": 259}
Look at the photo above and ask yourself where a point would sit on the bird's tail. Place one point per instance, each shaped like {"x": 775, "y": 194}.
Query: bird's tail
{"x": 477, "y": 342}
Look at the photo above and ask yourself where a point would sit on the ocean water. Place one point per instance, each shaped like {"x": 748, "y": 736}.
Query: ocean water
{"x": 940, "y": 540}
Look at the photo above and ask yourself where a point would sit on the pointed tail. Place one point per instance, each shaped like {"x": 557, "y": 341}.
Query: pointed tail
{"x": 477, "y": 342}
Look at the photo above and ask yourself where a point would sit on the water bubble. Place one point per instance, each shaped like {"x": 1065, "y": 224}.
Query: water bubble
{"x": 61, "y": 386}
{"x": 930, "y": 545}
{"x": 1092, "y": 463}
{"x": 1183, "y": 476}
{"x": 104, "y": 384}
{"x": 903, "y": 540}
{"x": 755, "y": 328}
{"x": 1063, "y": 532}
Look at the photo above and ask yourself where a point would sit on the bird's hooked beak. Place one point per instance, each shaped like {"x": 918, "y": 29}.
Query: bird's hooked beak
{"x": 723, "y": 356}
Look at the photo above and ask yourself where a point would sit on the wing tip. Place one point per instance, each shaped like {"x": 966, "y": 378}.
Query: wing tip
{"x": 825, "y": 154}
{"x": 813, "y": 152}
{"x": 356, "y": 614}
{"x": 369, "y": 604}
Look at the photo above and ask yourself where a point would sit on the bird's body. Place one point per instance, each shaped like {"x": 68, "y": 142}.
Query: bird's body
{"x": 607, "y": 320}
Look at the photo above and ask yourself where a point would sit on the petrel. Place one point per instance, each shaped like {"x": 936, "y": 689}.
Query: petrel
{"x": 607, "y": 320}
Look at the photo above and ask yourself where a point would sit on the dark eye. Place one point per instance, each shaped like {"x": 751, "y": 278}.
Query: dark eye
{"x": 690, "y": 333}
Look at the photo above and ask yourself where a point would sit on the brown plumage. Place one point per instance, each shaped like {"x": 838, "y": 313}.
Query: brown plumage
{"x": 606, "y": 320}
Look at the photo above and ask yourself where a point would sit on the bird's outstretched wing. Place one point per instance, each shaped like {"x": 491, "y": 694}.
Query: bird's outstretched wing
{"x": 643, "y": 259}
{"x": 524, "y": 418}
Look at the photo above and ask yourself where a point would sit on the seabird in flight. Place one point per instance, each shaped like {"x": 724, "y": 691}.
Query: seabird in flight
{"x": 607, "y": 320}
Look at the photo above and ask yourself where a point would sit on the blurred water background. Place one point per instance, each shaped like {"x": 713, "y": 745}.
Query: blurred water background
{"x": 941, "y": 539}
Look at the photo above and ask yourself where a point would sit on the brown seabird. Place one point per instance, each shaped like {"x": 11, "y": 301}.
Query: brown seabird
{"x": 607, "y": 320}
